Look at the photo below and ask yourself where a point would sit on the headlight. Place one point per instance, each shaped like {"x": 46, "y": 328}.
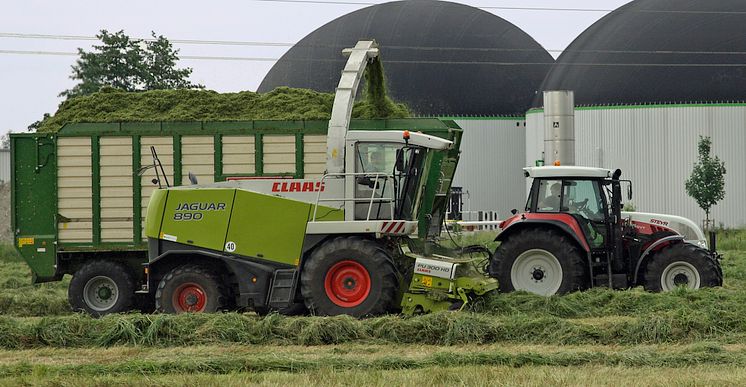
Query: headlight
{"x": 702, "y": 243}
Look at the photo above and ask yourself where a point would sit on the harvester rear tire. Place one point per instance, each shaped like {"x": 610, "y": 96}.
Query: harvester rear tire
{"x": 349, "y": 275}
{"x": 681, "y": 264}
{"x": 101, "y": 287}
{"x": 542, "y": 256}
{"x": 190, "y": 288}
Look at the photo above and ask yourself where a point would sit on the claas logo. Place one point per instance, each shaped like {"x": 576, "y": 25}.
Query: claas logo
{"x": 297, "y": 186}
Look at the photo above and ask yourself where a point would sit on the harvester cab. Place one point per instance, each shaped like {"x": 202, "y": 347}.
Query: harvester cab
{"x": 342, "y": 243}
{"x": 574, "y": 235}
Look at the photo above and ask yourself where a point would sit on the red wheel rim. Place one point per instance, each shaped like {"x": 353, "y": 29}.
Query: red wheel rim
{"x": 347, "y": 284}
{"x": 189, "y": 297}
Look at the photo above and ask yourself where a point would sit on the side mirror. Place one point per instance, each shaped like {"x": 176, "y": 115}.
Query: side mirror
{"x": 366, "y": 181}
{"x": 399, "y": 160}
{"x": 629, "y": 191}
{"x": 141, "y": 171}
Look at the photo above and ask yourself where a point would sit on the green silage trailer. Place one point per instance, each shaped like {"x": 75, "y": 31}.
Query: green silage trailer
{"x": 79, "y": 195}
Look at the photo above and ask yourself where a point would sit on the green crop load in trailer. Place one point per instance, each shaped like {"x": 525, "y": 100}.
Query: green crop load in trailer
{"x": 79, "y": 199}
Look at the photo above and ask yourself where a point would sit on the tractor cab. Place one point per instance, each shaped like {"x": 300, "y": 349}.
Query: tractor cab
{"x": 585, "y": 194}
{"x": 389, "y": 172}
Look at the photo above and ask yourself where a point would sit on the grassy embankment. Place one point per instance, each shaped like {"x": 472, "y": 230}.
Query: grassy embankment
{"x": 597, "y": 336}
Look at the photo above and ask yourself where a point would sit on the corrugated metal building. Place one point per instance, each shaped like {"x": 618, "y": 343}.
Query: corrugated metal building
{"x": 4, "y": 165}
{"x": 655, "y": 146}
{"x": 648, "y": 87}
{"x": 490, "y": 169}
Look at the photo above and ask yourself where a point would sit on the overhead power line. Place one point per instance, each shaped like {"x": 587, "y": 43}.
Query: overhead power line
{"x": 178, "y": 41}
{"x": 506, "y": 8}
{"x": 195, "y": 57}
{"x": 478, "y": 63}
{"x": 463, "y": 49}
{"x": 340, "y": 2}
{"x": 51, "y": 53}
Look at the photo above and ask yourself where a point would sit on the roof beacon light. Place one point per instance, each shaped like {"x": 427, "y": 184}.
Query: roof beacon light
{"x": 405, "y": 135}
{"x": 557, "y": 163}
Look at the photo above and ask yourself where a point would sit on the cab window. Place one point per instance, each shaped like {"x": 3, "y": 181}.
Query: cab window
{"x": 376, "y": 161}
{"x": 376, "y": 157}
{"x": 549, "y": 196}
{"x": 582, "y": 197}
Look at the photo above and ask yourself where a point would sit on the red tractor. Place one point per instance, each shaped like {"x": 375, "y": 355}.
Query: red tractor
{"x": 574, "y": 236}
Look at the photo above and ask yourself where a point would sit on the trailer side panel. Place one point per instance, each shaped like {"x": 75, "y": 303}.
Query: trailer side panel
{"x": 34, "y": 170}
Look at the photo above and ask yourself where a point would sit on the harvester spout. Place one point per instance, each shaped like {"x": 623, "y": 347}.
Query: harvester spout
{"x": 344, "y": 98}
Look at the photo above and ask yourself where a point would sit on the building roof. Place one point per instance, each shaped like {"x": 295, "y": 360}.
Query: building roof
{"x": 657, "y": 51}
{"x": 439, "y": 58}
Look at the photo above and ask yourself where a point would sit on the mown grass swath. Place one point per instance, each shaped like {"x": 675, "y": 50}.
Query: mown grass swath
{"x": 678, "y": 325}
{"x": 592, "y": 317}
{"x": 260, "y": 361}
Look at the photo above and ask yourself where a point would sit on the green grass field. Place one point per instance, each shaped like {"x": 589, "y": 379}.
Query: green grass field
{"x": 597, "y": 337}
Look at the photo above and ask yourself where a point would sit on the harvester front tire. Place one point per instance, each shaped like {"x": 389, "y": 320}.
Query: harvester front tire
{"x": 101, "y": 287}
{"x": 541, "y": 261}
{"x": 681, "y": 264}
{"x": 349, "y": 275}
{"x": 190, "y": 288}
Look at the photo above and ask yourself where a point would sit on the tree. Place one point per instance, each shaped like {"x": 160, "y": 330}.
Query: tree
{"x": 128, "y": 64}
{"x": 36, "y": 124}
{"x": 160, "y": 60}
{"x": 706, "y": 184}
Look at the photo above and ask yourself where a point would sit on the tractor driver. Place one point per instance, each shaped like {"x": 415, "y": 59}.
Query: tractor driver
{"x": 551, "y": 203}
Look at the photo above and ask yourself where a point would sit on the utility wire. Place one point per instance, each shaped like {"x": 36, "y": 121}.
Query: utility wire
{"x": 478, "y": 63}
{"x": 543, "y": 9}
{"x": 337, "y": 2}
{"x": 283, "y": 44}
{"x": 195, "y": 57}
{"x": 179, "y": 41}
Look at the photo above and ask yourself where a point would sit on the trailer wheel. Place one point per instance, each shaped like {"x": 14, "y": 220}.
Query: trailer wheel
{"x": 349, "y": 275}
{"x": 540, "y": 261}
{"x": 681, "y": 264}
{"x": 101, "y": 287}
{"x": 190, "y": 288}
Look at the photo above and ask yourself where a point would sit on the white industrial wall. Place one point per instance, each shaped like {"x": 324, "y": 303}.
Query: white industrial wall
{"x": 490, "y": 168}
{"x": 656, "y": 148}
{"x": 4, "y": 165}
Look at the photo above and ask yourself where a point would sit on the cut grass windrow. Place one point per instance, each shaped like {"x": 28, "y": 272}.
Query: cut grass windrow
{"x": 438, "y": 329}
{"x": 246, "y": 362}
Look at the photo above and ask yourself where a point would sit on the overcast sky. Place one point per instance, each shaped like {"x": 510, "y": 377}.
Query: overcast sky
{"x": 32, "y": 82}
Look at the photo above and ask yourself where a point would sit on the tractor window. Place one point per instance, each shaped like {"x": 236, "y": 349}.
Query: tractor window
{"x": 549, "y": 196}
{"x": 582, "y": 197}
{"x": 377, "y": 157}
{"x": 376, "y": 161}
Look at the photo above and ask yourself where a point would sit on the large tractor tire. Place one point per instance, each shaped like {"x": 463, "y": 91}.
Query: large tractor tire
{"x": 681, "y": 264}
{"x": 190, "y": 288}
{"x": 101, "y": 287}
{"x": 349, "y": 275}
{"x": 539, "y": 261}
